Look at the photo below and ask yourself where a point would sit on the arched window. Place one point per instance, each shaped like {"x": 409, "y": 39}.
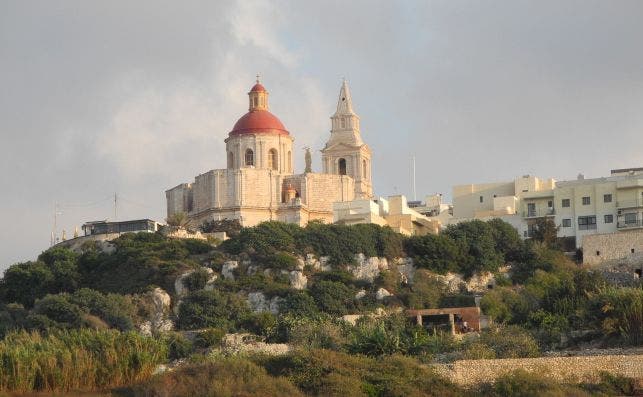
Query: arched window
{"x": 230, "y": 160}
{"x": 364, "y": 170}
{"x": 273, "y": 161}
{"x": 342, "y": 166}
{"x": 289, "y": 161}
{"x": 343, "y": 122}
{"x": 250, "y": 157}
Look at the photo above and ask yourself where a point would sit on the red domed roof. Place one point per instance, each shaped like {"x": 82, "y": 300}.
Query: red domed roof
{"x": 258, "y": 121}
{"x": 258, "y": 88}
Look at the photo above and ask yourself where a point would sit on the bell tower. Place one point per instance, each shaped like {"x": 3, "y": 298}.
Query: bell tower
{"x": 345, "y": 153}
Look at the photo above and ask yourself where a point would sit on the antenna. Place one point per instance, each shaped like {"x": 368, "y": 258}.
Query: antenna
{"x": 413, "y": 186}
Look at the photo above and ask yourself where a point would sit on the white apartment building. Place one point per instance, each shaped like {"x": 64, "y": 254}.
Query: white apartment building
{"x": 579, "y": 207}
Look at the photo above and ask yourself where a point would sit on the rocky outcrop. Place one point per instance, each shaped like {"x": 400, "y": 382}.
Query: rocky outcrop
{"x": 298, "y": 280}
{"x": 367, "y": 269}
{"x": 158, "y": 321}
{"x": 227, "y": 271}
{"x": 406, "y": 268}
{"x": 360, "y": 294}
{"x": 320, "y": 264}
{"x": 181, "y": 289}
{"x": 381, "y": 294}
{"x": 259, "y": 303}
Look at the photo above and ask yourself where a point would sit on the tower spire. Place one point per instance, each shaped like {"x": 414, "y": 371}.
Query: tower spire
{"x": 344, "y": 102}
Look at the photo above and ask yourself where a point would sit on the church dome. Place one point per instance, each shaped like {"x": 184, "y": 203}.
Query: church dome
{"x": 258, "y": 121}
{"x": 258, "y": 88}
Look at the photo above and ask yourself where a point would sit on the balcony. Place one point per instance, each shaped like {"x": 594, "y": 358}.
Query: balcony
{"x": 631, "y": 224}
{"x": 630, "y": 203}
{"x": 538, "y": 213}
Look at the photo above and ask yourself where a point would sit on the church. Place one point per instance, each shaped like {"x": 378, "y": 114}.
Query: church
{"x": 259, "y": 183}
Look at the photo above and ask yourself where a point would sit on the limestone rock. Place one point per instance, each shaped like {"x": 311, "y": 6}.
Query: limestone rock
{"x": 382, "y": 293}
{"x": 228, "y": 268}
{"x": 301, "y": 263}
{"x": 179, "y": 284}
{"x": 298, "y": 280}
{"x": 158, "y": 321}
{"x": 324, "y": 264}
{"x": 258, "y": 302}
{"x": 360, "y": 294}
{"x": 406, "y": 268}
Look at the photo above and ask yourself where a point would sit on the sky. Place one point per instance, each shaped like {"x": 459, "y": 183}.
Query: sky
{"x": 134, "y": 97}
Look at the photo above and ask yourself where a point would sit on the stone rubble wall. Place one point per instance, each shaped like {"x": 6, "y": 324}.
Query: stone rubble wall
{"x": 561, "y": 369}
{"x": 603, "y": 248}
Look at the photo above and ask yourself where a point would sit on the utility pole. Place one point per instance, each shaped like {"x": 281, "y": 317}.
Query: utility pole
{"x": 54, "y": 232}
{"x": 115, "y": 207}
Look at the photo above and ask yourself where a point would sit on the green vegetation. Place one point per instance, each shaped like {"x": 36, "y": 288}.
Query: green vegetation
{"x": 67, "y": 318}
{"x": 76, "y": 360}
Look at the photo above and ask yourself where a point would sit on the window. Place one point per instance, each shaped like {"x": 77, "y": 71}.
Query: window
{"x": 230, "y": 160}
{"x": 342, "y": 121}
{"x": 531, "y": 209}
{"x": 587, "y": 222}
{"x": 481, "y": 199}
{"x": 607, "y": 198}
{"x": 630, "y": 218}
{"x": 364, "y": 169}
{"x": 550, "y": 204}
{"x": 273, "y": 161}
{"x": 608, "y": 218}
{"x": 250, "y": 157}
{"x": 565, "y": 203}
{"x": 567, "y": 222}
{"x": 341, "y": 165}
{"x": 289, "y": 161}
{"x": 586, "y": 200}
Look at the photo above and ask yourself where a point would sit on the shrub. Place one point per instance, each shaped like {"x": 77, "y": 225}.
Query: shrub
{"x": 298, "y": 303}
{"x": 196, "y": 280}
{"x": 60, "y": 310}
{"x": 210, "y": 337}
{"x": 258, "y": 323}
{"x": 619, "y": 311}
{"x": 510, "y": 342}
{"x": 425, "y": 292}
{"x": 203, "y": 309}
{"x": 178, "y": 345}
{"x": 231, "y": 376}
{"x": 333, "y": 297}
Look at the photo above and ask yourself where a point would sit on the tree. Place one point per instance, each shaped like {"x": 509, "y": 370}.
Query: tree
{"x": 546, "y": 231}
{"x": 178, "y": 219}
{"x": 231, "y": 227}
{"x": 476, "y": 240}
{"x": 437, "y": 253}
{"x": 507, "y": 240}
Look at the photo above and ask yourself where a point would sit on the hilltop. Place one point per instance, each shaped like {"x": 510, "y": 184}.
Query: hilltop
{"x": 195, "y": 305}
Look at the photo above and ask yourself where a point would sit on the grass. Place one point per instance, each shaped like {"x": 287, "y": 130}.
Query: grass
{"x": 78, "y": 360}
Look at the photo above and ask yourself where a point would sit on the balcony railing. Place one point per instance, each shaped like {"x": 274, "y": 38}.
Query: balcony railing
{"x": 629, "y": 224}
{"x": 629, "y": 203}
{"x": 538, "y": 213}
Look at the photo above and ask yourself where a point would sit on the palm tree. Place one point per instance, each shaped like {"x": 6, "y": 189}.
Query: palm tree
{"x": 178, "y": 219}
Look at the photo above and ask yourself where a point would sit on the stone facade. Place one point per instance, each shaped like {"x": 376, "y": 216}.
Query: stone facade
{"x": 624, "y": 247}
{"x": 259, "y": 184}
